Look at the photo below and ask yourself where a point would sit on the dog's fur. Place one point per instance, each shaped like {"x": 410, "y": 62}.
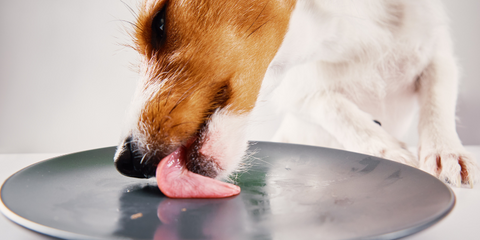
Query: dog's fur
{"x": 334, "y": 66}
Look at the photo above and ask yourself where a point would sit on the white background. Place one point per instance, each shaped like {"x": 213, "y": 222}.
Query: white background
{"x": 66, "y": 80}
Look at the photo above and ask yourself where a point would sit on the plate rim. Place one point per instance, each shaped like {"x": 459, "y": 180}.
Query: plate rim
{"x": 37, "y": 227}
{"x": 58, "y": 233}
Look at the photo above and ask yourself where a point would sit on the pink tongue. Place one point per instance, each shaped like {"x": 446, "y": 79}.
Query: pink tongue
{"x": 175, "y": 181}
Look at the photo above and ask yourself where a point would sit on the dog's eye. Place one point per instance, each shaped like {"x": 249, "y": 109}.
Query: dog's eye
{"x": 158, "y": 29}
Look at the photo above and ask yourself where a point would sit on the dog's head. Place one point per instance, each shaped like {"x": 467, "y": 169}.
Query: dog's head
{"x": 203, "y": 63}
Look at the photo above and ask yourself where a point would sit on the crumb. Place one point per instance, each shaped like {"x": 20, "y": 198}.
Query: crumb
{"x": 184, "y": 209}
{"x": 136, "y": 215}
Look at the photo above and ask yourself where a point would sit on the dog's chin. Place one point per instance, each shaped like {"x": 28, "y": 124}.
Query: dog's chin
{"x": 200, "y": 162}
{"x": 217, "y": 151}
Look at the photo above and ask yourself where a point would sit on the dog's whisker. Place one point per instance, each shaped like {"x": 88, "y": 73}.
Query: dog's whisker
{"x": 141, "y": 161}
{"x": 263, "y": 24}
{"x": 185, "y": 95}
{"x": 128, "y": 22}
{"x": 130, "y": 9}
{"x": 254, "y": 21}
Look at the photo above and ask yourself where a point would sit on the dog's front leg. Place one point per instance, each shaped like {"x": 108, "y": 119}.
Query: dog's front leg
{"x": 440, "y": 151}
{"x": 356, "y": 129}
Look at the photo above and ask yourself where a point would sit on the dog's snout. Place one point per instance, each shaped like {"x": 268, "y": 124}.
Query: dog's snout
{"x": 130, "y": 163}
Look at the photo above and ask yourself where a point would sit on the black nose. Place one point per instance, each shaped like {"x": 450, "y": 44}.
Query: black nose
{"x": 130, "y": 162}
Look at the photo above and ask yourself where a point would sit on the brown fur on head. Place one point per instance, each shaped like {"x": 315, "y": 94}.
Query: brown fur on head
{"x": 199, "y": 57}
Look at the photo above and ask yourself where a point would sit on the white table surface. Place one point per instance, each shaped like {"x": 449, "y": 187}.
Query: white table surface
{"x": 462, "y": 223}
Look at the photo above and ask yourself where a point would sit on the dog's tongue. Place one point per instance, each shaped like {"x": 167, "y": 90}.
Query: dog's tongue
{"x": 175, "y": 181}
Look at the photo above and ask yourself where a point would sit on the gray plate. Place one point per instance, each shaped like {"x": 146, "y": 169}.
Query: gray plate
{"x": 288, "y": 192}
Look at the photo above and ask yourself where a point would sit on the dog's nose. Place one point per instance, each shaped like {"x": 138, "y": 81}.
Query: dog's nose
{"x": 129, "y": 162}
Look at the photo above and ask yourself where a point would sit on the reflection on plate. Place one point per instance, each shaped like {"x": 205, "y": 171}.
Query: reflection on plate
{"x": 288, "y": 192}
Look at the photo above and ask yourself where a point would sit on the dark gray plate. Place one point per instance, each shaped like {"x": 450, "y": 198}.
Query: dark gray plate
{"x": 288, "y": 192}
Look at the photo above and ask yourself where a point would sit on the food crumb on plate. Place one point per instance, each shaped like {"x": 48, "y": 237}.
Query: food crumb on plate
{"x": 136, "y": 215}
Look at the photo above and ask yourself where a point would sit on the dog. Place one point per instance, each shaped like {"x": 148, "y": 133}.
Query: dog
{"x": 349, "y": 74}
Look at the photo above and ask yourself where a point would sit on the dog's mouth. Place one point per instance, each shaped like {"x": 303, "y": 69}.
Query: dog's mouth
{"x": 184, "y": 173}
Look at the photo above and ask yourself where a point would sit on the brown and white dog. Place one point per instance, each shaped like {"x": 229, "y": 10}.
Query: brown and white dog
{"x": 336, "y": 67}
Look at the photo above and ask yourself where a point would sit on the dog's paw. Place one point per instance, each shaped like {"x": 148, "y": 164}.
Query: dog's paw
{"x": 402, "y": 156}
{"x": 397, "y": 153}
{"x": 386, "y": 146}
{"x": 453, "y": 166}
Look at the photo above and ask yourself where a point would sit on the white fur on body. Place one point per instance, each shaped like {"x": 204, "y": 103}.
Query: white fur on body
{"x": 345, "y": 63}
{"x": 342, "y": 65}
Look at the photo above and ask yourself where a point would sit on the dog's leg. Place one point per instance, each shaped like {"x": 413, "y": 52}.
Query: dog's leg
{"x": 440, "y": 151}
{"x": 355, "y": 129}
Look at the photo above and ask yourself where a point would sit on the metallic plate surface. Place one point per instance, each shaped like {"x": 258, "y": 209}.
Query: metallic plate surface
{"x": 288, "y": 192}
